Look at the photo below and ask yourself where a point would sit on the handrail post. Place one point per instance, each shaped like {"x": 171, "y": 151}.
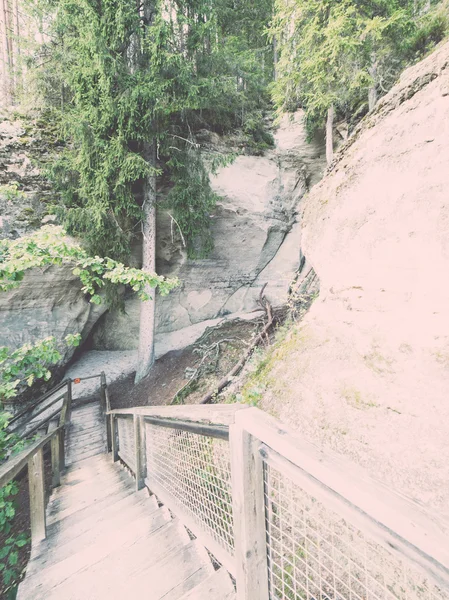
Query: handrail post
{"x": 63, "y": 420}
{"x": 114, "y": 438}
{"x": 108, "y": 433}
{"x": 248, "y": 508}
{"x": 139, "y": 449}
{"x": 37, "y": 496}
{"x": 69, "y": 401}
{"x": 103, "y": 391}
{"x": 56, "y": 460}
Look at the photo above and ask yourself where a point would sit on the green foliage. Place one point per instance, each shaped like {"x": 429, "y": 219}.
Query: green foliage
{"x": 19, "y": 368}
{"x": 11, "y": 191}
{"x": 50, "y": 246}
{"x": 192, "y": 189}
{"x": 9, "y": 552}
{"x": 432, "y": 28}
{"x": 335, "y": 53}
{"x": 26, "y": 364}
{"x": 126, "y": 80}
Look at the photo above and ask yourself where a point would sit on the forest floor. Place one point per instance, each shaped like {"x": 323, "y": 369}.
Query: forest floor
{"x": 211, "y": 357}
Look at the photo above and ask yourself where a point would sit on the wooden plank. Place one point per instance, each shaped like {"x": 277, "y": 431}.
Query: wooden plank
{"x": 220, "y": 432}
{"x": 37, "y": 496}
{"x": 192, "y": 581}
{"x": 222, "y": 555}
{"x": 214, "y": 414}
{"x": 15, "y": 464}
{"x": 62, "y": 448}
{"x": 58, "y": 548}
{"x": 396, "y": 523}
{"x": 55, "y": 461}
{"x": 84, "y": 521}
{"x": 46, "y": 577}
{"x": 139, "y": 452}
{"x": 248, "y": 509}
{"x": 216, "y": 587}
{"x": 114, "y": 438}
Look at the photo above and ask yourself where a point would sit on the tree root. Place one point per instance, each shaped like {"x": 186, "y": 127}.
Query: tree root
{"x": 237, "y": 368}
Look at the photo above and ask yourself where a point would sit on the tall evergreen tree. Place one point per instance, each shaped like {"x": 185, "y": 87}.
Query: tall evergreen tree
{"x": 139, "y": 80}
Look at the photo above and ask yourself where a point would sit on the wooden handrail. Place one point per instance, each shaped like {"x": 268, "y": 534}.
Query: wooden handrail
{"x": 206, "y": 414}
{"x": 16, "y": 463}
{"x": 256, "y": 442}
{"x": 33, "y": 456}
{"x": 32, "y": 406}
{"x": 39, "y": 412}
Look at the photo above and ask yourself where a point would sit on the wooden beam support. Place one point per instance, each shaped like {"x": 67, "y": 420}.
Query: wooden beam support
{"x": 140, "y": 451}
{"x": 248, "y": 508}
{"x": 56, "y": 461}
{"x": 37, "y": 496}
{"x": 114, "y": 438}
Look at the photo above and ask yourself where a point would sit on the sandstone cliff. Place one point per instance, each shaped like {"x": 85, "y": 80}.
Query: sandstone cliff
{"x": 257, "y": 237}
{"x": 256, "y": 233}
{"x": 367, "y": 372}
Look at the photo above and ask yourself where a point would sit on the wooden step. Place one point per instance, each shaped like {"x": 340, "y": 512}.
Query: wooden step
{"x": 216, "y": 587}
{"x": 83, "y": 454}
{"x": 66, "y": 542}
{"x": 177, "y": 574}
{"x": 87, "y": 496}
{"x": 95, "y": 543}
{"x": 74, "y": 526}
{"x": 107, "y": 541}
{"x": 88, "y": 479}
{"x": 123, "y": 575}
{"x": 45, "y": 577}
{"x": 75, "y": 512}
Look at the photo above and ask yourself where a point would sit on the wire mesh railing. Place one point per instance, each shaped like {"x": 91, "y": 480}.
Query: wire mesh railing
{"x": 125, "y": 427}
{"x": 194, "y": 472}
{"x": 284, "y": 523}
{"x": 313, "y": 553}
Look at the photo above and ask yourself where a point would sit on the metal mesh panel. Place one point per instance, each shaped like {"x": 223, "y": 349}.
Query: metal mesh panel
{"x": 314, "y": 554}
{"x": 194, "y": 472}
{"x": 125, "y": 428}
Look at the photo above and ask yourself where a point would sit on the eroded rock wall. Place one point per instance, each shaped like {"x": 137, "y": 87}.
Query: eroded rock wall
{"x": 367, "y": 372}
{"x": 256, "y": 232}
{"x": 257, "y": 237}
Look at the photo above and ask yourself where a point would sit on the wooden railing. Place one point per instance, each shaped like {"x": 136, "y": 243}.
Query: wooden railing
{"x": 284, "y": 518}
{"x": 26, "y": 423}
{"x": 33, "y": 458}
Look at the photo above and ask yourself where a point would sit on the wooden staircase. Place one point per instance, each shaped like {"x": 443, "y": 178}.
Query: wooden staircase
{"x": 105, "y": 540}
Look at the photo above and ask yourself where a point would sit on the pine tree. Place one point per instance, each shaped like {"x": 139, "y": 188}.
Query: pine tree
{"x": 139, "y": 81}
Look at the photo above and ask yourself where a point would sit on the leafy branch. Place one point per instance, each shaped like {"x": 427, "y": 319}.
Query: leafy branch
{"x": 50, "y": 246}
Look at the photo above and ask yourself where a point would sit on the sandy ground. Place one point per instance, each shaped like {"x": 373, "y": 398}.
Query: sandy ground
{"x": 116, "y": 365}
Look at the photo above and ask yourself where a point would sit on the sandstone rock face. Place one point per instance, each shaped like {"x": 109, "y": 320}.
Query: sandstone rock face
{"x": 367, "y": 373}
{"x": 257, "y": 238}
{"x": 49, "y": 302}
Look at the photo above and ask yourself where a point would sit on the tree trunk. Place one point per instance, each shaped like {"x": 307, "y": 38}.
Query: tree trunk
{"x": 372, "y": 91}
{"x": 147, "y": 308}
{"x": 330, "y": 134}
{"x": 6, "y": 55}
{"x": 17, "y": 61}
{"x": 275, "y": 59}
